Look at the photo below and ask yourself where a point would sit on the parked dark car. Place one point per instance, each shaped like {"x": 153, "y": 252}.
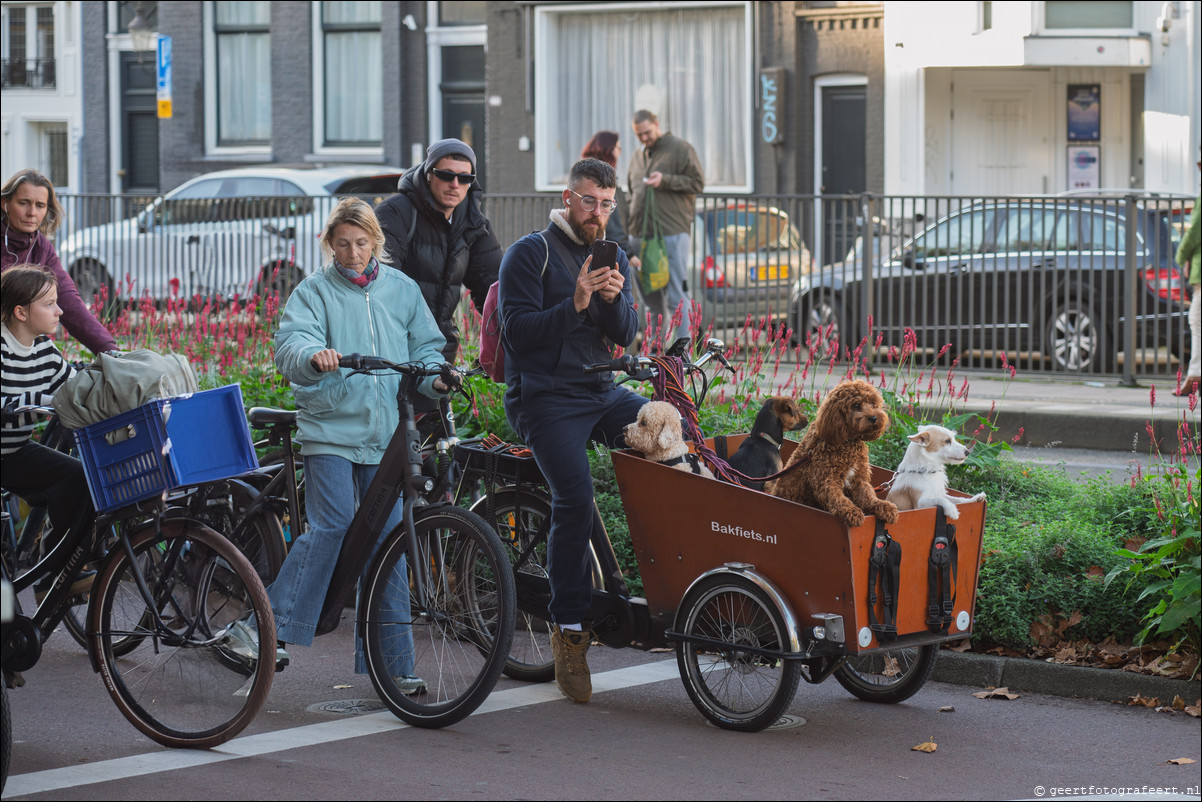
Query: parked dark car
{"x": 1020, "y": 276}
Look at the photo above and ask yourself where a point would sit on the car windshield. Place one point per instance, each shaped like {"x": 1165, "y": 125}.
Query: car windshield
{"x": 738, "y": 231}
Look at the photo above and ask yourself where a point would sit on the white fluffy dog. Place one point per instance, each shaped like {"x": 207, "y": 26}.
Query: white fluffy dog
{"x": 921, "y": 479}
{"x": 657, "y": 433}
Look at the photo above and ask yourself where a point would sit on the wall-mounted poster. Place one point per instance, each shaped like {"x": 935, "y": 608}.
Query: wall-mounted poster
{"x": 1084, "y": 112}
{"x": 1084, "y": 167}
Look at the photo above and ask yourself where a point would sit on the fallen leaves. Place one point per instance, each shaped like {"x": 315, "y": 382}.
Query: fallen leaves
{"x": 996, "y": 693}
{"x": 1151, "y": 658}
{"x": 1178, "y": 705}
{"x": 1180, "y": 761}
{"x": 946, "y": 709}
{"x": 928, "y": 747}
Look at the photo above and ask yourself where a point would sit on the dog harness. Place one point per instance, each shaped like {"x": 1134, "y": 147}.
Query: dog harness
{"x": 884, "y": 567}
{"x": 690, "y": 459}
{"x": 941, "y": 575}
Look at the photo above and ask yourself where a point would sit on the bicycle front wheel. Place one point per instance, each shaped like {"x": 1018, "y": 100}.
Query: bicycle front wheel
{"x": 447, "y": 620}
{"x": 187, "y": 682}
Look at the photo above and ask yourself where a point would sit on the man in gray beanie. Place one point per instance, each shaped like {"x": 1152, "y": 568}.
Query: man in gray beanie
{"x": 436, "y": 233}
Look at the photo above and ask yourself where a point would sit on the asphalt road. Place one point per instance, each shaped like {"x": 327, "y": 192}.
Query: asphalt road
{"x": 640, "y": 737}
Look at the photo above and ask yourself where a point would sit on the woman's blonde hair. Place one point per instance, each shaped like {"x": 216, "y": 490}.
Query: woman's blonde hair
{"x": 359, "y": 213}
{"x": 54, "y": 210}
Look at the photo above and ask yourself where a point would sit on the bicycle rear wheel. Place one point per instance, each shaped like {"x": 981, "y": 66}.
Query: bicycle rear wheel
{"x": 182, "y": 685}
{"x": 222, "y": 506}
{"x": 522, "y": 520}
{"x": 458, "y": 639}
{"x": 888, "y": 677}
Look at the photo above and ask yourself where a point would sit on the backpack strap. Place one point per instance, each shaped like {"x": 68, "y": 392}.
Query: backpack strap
{"x": 941, "y": 575}
{"x": 884, "y": 567}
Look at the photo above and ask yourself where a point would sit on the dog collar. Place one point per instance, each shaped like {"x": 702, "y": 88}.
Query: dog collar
{"x": 769, "y": 438}
{"x": 690, "y": 459}
{"x": 919, "y": 470}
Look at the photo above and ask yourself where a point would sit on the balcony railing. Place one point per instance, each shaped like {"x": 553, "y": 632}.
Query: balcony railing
{"x": 34, "y": 73}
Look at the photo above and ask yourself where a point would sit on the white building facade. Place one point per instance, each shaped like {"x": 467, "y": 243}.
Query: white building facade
{"x": 999, "y": 98}
{"x": 41, "y": 120}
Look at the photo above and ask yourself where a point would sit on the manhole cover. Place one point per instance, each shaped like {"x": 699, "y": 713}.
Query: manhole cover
{"x": 785, "y": 722}
{"x": 347, "y": 707}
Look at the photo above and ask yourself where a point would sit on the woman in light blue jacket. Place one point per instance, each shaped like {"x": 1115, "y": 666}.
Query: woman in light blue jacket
{"x": 345, "y": 422}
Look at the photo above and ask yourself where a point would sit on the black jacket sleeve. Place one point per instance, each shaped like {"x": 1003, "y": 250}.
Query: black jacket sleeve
{"x": 396, "y": 216}
{"x": 484, "y": 265}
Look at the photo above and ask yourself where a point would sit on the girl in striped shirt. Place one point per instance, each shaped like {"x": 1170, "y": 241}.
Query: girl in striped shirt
{"x": 31, "y": 370}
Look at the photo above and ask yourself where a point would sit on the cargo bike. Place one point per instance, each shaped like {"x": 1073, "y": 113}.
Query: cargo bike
{"x": 755, "y": 592}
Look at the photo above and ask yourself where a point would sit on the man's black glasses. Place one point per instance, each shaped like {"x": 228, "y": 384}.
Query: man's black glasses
{"x": 446, "y": 175}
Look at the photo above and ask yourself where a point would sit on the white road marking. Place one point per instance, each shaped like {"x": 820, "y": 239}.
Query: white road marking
{"x": 309, "y": 735}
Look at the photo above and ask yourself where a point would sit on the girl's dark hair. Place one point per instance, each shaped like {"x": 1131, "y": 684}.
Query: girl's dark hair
{"x": 54, "y": 210}
{"x": 601, "y": 146}
{"x": 21, "y": 285}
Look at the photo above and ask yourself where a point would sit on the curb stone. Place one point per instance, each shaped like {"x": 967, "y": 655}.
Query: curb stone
{"x": 1058, "y": 679}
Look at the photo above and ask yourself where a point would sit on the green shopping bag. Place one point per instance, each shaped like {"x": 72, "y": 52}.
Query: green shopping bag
{"x": 653, "y": 275}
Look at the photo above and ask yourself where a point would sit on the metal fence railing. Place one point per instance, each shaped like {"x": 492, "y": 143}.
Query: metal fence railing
{"x": 1084, "y": 284}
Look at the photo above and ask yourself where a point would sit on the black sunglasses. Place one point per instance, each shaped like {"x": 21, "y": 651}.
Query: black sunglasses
{"x": 446, "y": 175}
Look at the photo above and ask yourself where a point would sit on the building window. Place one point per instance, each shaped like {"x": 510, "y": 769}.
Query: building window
{"x": 126, "y": 11}
{"x": 474, "y": 12}
{"x": 689, "y": 65}
{"x": 353, "y": 94}
{"x": 52, "y": 153}
{"x": 1108, "y": 15}
{"x": 243, "y": 62}
{"x": 28, "y": 46}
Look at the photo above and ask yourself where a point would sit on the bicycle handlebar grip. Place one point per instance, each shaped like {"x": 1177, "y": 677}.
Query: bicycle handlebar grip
{"x": 352, "y": 361}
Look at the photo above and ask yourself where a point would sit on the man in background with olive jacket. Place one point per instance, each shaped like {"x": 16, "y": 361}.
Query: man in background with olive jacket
{"x": 670, "y": 165}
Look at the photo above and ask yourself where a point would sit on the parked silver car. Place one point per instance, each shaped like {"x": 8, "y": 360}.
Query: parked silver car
{"x": 227, "y": 233}
{"x": 746, "y": 258}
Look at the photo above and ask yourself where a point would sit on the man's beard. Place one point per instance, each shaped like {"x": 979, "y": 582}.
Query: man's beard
{"x": 585, "y": 235}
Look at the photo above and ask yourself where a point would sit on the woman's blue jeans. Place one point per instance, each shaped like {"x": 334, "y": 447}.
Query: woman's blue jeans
{"x": 334, "y": 487}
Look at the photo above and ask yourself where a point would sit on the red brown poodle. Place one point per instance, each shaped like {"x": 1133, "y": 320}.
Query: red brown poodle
{"x": 838, "y": 478}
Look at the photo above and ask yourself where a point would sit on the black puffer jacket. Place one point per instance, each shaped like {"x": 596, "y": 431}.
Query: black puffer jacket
{"x": 441, "y": 256}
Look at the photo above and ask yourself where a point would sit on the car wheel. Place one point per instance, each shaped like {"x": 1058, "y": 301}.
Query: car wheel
{"x": 94, "y": 284}
{"x": 819, "y": 321}
{"x": 1075, "y": 339}
{"x": 278, "y": 277}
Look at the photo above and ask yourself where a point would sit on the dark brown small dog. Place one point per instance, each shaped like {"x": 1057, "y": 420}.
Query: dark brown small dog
{"x": 759, "y": 454}
{"x": 838, "y": 477}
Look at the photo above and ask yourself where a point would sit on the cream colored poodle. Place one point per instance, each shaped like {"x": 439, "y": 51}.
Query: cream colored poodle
{"x": 658, "y": 435}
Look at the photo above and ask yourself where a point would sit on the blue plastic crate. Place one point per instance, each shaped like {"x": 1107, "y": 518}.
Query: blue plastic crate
{"x": 164, "y": 444}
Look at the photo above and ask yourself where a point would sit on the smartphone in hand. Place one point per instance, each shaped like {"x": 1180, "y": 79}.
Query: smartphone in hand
{"x": 605, "y": 254}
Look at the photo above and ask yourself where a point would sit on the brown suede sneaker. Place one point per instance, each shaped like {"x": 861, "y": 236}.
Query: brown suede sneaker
{"x": 571, "y": 668}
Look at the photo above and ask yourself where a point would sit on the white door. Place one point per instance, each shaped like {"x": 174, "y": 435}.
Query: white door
{"x": 1001, "y": 132}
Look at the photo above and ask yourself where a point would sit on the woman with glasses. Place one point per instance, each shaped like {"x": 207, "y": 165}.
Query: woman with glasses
{"x": 29, "y": 215}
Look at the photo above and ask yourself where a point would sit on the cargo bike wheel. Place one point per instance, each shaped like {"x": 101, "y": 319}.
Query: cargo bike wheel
{"x": 187, "y": 682}
{"x": 888, "y": 677}
{"x": 732, "y": 670}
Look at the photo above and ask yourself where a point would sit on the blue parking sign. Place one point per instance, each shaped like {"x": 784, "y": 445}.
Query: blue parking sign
{"x": 164, "y": 77}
